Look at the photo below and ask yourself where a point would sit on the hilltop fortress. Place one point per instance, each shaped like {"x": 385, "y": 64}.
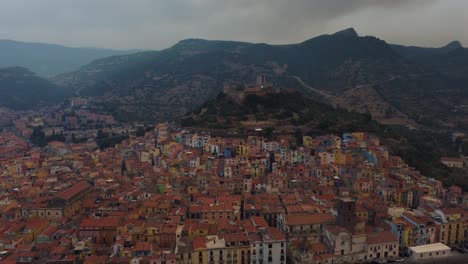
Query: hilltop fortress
{"x": 239, "y": 92}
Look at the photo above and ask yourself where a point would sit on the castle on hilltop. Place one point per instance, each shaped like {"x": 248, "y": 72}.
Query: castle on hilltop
{"x": 239, "y": 92}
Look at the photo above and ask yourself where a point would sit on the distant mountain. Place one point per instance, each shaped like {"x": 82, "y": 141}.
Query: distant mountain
{"x": 363, "y": 74}
{"x": 49, "y": 59}
{"x": 22, "y": 89}
{"x": 415, "y": 52}
{"x": 168, "y": 83}
{"x": 451, "y": 59}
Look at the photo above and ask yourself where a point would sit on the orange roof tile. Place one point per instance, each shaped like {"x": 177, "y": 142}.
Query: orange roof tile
{"x": 309, "y": 219}
{"x": 74, "y": 190}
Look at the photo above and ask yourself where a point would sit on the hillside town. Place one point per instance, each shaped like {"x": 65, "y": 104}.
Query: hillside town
{"x": 174, "y": 196}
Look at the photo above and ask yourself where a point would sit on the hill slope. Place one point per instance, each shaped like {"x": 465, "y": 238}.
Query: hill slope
{"x": 451, "y": 60}
{"x": 348, "y": 68}
{"x": 48, "y": 59}
{"x": 22, "y": 89}
{"x": 286, "y": 109}
{"x": 290, "y": 112}
{"x": 173, "y": 81}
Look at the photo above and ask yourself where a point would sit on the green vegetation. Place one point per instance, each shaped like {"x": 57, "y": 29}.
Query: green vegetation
{"x": 424, "y": 84}
{"x": 110, "y": 141}
{"x": 104, "y": 140}
{"x": 419, "y": 148}
{"x": 140, "y": 132}
{"x": 21, "y": 89}
{"x": 38, "y": 137}
{"x": 281, "y": 109}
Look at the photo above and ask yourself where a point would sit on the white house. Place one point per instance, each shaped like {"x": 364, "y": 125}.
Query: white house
{"x": 436, "y": 250}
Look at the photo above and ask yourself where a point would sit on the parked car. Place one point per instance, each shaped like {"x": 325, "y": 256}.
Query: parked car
{"x": 378, "y": 261}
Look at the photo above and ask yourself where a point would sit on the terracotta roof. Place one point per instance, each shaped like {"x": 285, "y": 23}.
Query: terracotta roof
{"x": 381, "y": 238}
{"x": 449, "y": 211}
{"x": 100, "y": 222}
{"x": 319, "y": 247}
{"x": 236, "y": 237}
{"x": 259, "y": 221}
{"x": 74, "y": 190}
{"x": 199, "y": 243}
{"x": 142, "y": 246}
{"x": 309, "y": 219}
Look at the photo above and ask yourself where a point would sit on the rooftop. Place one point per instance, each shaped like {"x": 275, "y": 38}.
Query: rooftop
{"x": 429, "y": 248}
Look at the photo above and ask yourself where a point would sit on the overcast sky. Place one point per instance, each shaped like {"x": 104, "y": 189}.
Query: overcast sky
{"x": 157, "y": 24}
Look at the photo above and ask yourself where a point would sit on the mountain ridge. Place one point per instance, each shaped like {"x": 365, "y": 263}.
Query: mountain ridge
{"x": 177, "y": 79}
{"x": 21, "y": 89}
{"x": 50, "y": 59}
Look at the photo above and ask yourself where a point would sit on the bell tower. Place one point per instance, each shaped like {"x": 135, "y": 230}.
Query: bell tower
{"x": 346, "y": 213}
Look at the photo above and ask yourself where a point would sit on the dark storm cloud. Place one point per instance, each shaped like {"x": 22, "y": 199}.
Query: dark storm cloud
{"x": 156, "y": 24}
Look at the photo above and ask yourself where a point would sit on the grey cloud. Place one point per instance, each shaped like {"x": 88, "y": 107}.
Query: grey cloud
{"x": 156, "y": 24}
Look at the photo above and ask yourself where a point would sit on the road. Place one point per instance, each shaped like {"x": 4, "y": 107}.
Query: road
{"x": 322, "y": 93}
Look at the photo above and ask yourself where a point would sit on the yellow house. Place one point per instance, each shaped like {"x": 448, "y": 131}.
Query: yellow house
{"x": 42, "y": 173}
{"x": 405, "y": 232}
{"x": 237, "y": 247}
{"x": 361, "y": 212}
{"x": 133, "y": 228}
{"x": 151, "y": 232}
{"x": 198, "y": 229}
{"x": 397, "y": 196}
{"x": 209, "y": 249}
{"x": 453, "y": 230}
{"x": 308, "y": 141}
{"x": 340, "y": 158}
{"x": 242, "y": 149}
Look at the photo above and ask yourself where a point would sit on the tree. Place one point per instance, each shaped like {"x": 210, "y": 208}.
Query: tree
{"x": 268, "y": 133}
{"x": 299, "y": 137}
{"x": 100, "y": 134}
{"x": 140, "y": 132}
{"x": 38, "y": 137}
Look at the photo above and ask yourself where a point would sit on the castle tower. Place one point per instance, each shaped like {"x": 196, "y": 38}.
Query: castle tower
{"x": 261, "y": 80}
